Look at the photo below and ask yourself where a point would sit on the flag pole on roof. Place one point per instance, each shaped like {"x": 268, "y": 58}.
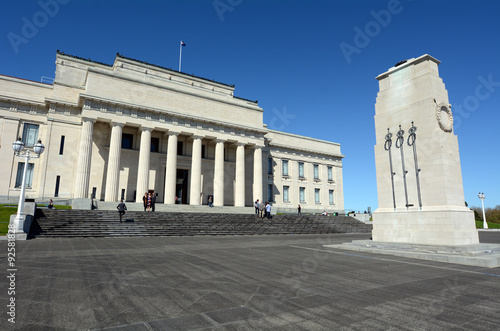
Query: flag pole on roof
{"x": 180, "y": 53}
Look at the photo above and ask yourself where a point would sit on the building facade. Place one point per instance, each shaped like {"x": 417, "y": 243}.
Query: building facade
{"x": 118, "y": 131}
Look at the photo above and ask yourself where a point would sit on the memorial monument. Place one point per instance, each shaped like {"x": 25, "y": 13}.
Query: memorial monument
{"x": 419, "y": 178}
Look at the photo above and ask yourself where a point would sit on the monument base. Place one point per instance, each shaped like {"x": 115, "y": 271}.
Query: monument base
{"x": 445, "y": 225}
{"x": 480, "y": 255}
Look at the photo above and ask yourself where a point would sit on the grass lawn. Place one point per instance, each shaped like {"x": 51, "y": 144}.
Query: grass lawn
{"x": 7, "y": 210}
{"x": 479, "y": 225}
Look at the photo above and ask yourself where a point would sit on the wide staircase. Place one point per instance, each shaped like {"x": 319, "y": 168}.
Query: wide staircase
{"x": 50, "y": 223}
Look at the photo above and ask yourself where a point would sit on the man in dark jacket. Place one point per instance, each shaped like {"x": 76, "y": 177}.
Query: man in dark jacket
{"x": 122, "y": 209}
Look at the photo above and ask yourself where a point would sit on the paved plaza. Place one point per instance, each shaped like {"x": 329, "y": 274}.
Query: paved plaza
{"x": 287, "y": 282}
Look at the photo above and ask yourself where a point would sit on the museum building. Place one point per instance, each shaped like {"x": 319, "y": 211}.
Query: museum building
{"x": 118, "y": 131}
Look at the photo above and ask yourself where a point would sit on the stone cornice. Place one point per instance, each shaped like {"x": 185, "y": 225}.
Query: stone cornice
{"x": 301, "y": 137}
{"x": 306, "y": 150}
{"x": 62, "y": 102}
{"x": 22, "y": 101}
{"x": 177, "y": 115}
{"x": 407, "y": 63}
{"x": 26, "y": 81}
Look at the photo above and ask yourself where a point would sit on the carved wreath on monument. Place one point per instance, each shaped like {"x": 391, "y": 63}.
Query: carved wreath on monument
{"x": 444, "y": 117}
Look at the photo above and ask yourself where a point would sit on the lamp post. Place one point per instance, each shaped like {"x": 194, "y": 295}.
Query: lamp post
{"x": 18, "y": 147}
{"x": 481, "y": 196}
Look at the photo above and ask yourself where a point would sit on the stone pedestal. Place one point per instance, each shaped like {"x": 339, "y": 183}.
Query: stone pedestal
{"x": 419, "y": 177}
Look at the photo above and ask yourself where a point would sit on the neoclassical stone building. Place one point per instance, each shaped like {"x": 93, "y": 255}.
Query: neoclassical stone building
{"x": 118, "y": 131}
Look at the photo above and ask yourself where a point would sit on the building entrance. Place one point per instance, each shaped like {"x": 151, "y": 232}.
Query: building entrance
{"x": 181, "y": 186}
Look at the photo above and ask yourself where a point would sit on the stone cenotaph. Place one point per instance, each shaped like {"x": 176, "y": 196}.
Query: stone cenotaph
{"x": 419, "y": 178}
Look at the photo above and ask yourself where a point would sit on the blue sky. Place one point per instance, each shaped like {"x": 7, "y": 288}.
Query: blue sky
{"x": 287, "y": 54}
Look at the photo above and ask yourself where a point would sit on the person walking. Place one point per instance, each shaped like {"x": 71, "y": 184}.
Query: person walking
{"x": 210, "y": 201}
{"x": 122, "y": 209}
{"x": 299, "y": 210}
{"x": 268, "y": 210}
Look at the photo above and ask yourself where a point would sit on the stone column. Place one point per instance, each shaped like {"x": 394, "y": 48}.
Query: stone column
{"x": 171, "y": 175}
{"x": 194, "y": 198}
{"x": 113, "y": 175}
{"x": 144, "y": 162}
{"x": 239, "y": 191}
{"x": 219, "y": 173}
{"x": 257, "y": 173}
{"x": 82, "y": 175}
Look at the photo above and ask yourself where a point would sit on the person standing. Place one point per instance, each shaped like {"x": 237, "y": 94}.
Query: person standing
{"x": 257, "y": 207}
{"x": 268, "y": 210}
{"x": 299, "y": 210}
{"x": 210, "y": 202}
{"x": 149, "y": 202}
{"x": 153, "y": 201}
{"x": 122, "y": 209}
{"x": 261, "y": 209}
{"x": 145, "y": 200}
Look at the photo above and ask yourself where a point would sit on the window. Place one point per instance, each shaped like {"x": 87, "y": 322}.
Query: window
{"x": 123, "y": 194}
{"x": 330, "y": 196}
{"x": 330, "y": 173}
{"x": 270, "y": 192}
{"x": 301, "y": 169}
{"x": 155, "y": 144}
{"x": 30, "y": 135}
{"x": 270, "y": 166}
{"x": 127, "y": 140}
{"x": 61, "y": 146}
{"x": 285, "y": 167}
{"x": 286, "y": 190}
{"x": 58, "y": 180}
{"x": 316, "y": 195}
{"x": 316, "y": 171}
{"x": 302, "y": 194}
{"x": 20, "y": 172}
{"x": 180, "y": 145}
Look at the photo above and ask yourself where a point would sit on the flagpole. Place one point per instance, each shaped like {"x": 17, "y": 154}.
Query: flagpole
{"x": 180, "y": 55}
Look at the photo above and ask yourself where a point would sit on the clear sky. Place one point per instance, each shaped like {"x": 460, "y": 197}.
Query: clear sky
{"x": 289, "y": 55}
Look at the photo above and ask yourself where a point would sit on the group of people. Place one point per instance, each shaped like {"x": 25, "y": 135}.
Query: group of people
{"x": 263, "y": 210}
{"x": 149, "y": 201}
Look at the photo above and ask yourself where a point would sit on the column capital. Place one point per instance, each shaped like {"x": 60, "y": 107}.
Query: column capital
{"x": 89, "y": 119}
{"x": 113, "y": 123}
{"x": 239, "y": 143}
{"x": 173, "y": 133}
{"x": 219, "y": 140}
{"x": 197, "y": 136}
{"x": 145, "y": 128}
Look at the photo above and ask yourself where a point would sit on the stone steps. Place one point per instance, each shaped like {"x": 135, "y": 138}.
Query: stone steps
{"x": 102, "y": 223}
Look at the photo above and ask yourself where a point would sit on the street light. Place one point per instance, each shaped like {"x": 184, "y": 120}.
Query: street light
{"x": 18, "y": 147}
{"x": 481, "y": 196}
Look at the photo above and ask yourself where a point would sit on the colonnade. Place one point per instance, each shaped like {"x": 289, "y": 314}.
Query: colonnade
{"x": 113, "y": 169}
